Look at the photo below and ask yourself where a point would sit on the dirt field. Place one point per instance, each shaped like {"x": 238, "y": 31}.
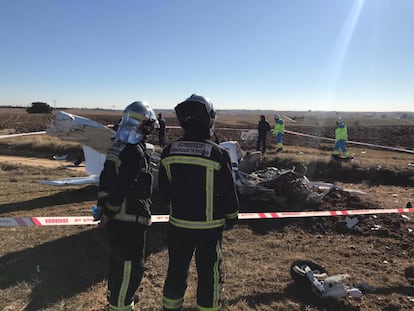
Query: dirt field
{"x": 64, "y": 268}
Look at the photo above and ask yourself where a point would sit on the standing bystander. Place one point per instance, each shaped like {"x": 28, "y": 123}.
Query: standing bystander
{"x": 161, "y": 130}
{"x": 341, "y": 136}
{"x": 263, "y": 127}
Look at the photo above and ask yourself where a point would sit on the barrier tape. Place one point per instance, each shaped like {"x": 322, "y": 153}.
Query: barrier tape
{"x": 88, "y": 220}
{"x": 353, "y": 142}
{"x": 328, "y": 139}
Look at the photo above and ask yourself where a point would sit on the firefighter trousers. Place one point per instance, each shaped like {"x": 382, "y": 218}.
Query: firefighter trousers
{"x": 206, "y": 245}
{"x": 126, "y": 268}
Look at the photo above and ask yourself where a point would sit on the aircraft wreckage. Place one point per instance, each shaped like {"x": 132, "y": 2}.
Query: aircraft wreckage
{"x": 281, "y": 188}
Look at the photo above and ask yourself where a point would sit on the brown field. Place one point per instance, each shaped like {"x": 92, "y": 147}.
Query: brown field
{"x": 64, "y": 267}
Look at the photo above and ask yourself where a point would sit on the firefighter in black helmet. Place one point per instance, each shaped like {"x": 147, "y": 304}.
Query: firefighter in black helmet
{"x": 195, "y": 179}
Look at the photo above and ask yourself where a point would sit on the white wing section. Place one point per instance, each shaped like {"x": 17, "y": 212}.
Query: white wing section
{"x": 93, "y": 179}
{"x": 95, "y": 139}
{"x": 67, "y": 126}
{"x": 21, "y": 134}
{"x": 94, "y": 160}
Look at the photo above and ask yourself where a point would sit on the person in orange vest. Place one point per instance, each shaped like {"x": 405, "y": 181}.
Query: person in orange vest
{"x": 341, "y": 136}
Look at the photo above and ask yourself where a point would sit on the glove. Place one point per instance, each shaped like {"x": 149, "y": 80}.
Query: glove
{"x": 97, "y": 212}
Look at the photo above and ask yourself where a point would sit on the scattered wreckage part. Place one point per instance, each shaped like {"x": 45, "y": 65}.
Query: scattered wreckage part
{"x": 326, "y": 186}
{"x": 365, "y": 288}
{"x": 299, "y": 268}
{"x": 351, "y": 222}
{"x": 60, "y": 157}
{"x": 310, "y": 275}
{"x": 272, "y": 184}
{"x": 335, "y": 288}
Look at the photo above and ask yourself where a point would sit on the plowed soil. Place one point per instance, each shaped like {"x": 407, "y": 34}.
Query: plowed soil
{"x": 65, "y": 267}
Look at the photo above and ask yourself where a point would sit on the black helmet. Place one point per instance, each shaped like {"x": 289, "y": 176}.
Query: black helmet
{"x": 196, "y": 115}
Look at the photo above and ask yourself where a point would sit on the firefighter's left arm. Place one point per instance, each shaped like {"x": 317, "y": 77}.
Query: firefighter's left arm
{"x": 230, "y": 200}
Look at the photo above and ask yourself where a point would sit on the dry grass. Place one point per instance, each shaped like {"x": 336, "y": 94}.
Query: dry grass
{"x": 65, "y": 268}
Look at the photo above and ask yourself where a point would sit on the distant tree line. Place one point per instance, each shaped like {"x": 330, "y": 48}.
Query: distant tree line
{"x": 39, "y": 107}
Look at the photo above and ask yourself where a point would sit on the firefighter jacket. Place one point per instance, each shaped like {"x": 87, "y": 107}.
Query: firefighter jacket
{"x": 341, "y": 132}
{"x": 279, "y": 127}
{"x": 125, "y": 183}
{"x": 195, "y": 179}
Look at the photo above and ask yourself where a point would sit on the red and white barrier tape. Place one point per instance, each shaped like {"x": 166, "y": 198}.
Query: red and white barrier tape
{"x": 88, "y": 220}
{"x": 353, "y": 142}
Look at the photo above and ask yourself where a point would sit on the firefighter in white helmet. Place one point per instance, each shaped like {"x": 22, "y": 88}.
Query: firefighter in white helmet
{"x": 195, "y": 179}
{"x": 124, "y": 198}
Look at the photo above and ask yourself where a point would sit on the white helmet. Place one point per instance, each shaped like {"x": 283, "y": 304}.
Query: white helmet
{"x": 138, "y": 120}
{"x": 276, "y": 117}
{"x": 196, "y": 113}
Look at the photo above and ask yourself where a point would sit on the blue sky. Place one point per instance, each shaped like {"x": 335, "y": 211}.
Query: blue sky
{"x": 333, "y": 55}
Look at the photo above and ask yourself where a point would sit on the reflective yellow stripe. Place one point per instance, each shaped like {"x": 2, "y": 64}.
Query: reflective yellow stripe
{"x": 114, "y": 158}
{"x": 216, "y": 277}
{"x": 167, "y": 170}
{"x": 210, "y": 166}
{"x": 113, "y": 208}
{"x": 137, "y": 116}
{"x": 103, "y": 194}
{"x": 200, "y": 308}
{"x": 172, "y": 303}
{"x": 232, "y": 215}
{"x": 125, "y": 283}
{"x": 166, "y": 162}
{"x": 209, "y": 193}
{"x": 191, "y": 160}
{"x": 197, "y": 224}
{"x": 125, "y": 308}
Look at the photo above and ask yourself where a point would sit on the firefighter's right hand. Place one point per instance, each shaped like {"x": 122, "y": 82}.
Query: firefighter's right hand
{"x": 104, "y": 221}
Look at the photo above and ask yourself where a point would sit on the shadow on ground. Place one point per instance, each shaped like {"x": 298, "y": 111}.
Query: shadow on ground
{"x": 62, "y": 268}
{"x": 61, "y": 198}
